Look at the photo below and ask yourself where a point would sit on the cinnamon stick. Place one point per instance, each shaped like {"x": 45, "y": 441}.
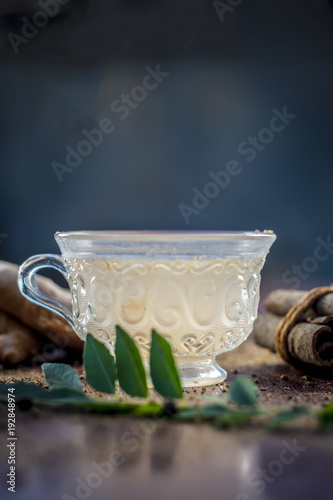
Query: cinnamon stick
{"x": 309, "y": 342}
{"x": 264, "y": 328}
{"x": 281, "y": 301}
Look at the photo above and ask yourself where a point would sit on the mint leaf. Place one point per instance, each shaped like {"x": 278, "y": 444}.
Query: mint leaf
{"x": 163, "y": 369}
{"x": 199, "y": 413}
{"x": 243, "y": 391}
{"x": 236, "y": 418}
{"x": 38, "y": 394}
{"x": 112, "y": 407}
{"x": 153, "y": 410}
{"x": 131, "y": 373}
{"x": 61, "y": 396}
{"x": 287, "y": 415}
{"x": 58, "y": 375}
{"x": 22, "y": 390}
{"x": 326, "y": 415}
{"x": 99, "y": 366}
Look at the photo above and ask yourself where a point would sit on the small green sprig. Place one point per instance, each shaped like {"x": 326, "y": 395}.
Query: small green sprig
{"x": 239, "y": 406}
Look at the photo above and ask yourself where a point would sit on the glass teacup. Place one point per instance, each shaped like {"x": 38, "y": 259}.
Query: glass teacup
{"x": 200, "y": 290}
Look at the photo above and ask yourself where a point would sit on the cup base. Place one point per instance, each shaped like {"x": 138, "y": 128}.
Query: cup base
{"x": 201, "y": 373}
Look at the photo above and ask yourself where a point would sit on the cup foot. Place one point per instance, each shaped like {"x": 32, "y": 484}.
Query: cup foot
{"x": 201, "y": 373}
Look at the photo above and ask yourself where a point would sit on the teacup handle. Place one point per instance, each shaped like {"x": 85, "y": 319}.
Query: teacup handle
{"x": 29, "y": 288}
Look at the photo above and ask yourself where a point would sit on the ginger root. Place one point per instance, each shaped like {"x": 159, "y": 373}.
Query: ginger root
{"x": 24, "y": 317}
{"x": 17, "y": 342}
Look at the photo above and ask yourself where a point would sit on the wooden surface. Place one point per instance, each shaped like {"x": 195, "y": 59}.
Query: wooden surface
{"x": 166, "y": 460}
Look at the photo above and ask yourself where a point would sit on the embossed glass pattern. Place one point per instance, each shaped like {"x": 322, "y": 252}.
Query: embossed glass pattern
{"x": 199, "y": 290}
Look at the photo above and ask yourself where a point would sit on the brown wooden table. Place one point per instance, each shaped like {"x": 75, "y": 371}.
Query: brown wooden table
{"x": 167, "y": 460}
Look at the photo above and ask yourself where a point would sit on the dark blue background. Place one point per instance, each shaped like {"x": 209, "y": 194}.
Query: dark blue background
{"x": 225, "y": 79}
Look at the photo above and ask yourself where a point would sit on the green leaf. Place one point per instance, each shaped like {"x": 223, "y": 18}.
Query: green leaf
{"x": 105, "y": 406}
{"x": 99, "y": 366}
{"x": 243, "y": 391}
{"x": 163, "y": 369}
{"x": 213, "y": 411}
{"x": 216, "y": 400}
{"x": 60, "y": 375}
{"x": 61, "y": 396}
{"x": 326, "y": 415}
{"x": 199, "y": 413}
{"x": 38, "y": 394}
{"x": 236, "y": 418}
{"x": 149, "y": 410}
{"x": 131, "y": 373}
{"x": 287, "y": 415}
{"x": 22, "y": 390}
{"x": 188, "y": 415}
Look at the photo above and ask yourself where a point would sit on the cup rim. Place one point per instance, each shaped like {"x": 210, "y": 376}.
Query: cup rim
{"x": 161, "y": 235}
{"x": 161, "y": 244}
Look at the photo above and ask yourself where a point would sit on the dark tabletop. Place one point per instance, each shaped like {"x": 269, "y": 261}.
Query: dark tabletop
{"x": 147, "y": 459}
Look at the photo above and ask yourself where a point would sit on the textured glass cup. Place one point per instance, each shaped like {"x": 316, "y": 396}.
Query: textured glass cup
{"x": 200, "y": 290}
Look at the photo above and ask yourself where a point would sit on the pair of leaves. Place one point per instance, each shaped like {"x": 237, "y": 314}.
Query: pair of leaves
{"x": 103, "y": 370}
